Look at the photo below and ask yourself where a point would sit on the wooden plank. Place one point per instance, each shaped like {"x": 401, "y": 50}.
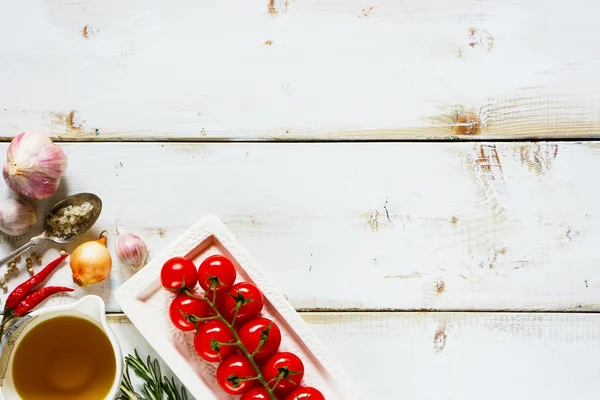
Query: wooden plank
{"x": 447, "y": 226}
{"x": 459, "y": 356}
{"x": 314, "y": 69}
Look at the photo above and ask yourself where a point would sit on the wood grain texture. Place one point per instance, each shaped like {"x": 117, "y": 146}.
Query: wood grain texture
{"x": 444, "y": 226}
{"x": 459, "y": 356}
{"x": 315, "y": 69}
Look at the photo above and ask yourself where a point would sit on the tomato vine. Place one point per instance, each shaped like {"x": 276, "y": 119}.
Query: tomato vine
{"x": 259, "y": 376}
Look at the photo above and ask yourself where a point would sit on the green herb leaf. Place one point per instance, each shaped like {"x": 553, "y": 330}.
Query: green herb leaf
{"x": 155, "y": 385}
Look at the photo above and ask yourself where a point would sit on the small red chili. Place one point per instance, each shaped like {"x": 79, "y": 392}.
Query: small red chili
{"x": 15, "y": 297}
{"x": 35, "y": 298}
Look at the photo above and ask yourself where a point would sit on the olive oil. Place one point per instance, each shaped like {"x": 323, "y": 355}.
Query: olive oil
{"x": 66, "y": 358}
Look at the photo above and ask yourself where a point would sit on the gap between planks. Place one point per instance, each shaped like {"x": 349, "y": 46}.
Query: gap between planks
{"x": 383, "y": 311}
{"x": 448, "y": 139}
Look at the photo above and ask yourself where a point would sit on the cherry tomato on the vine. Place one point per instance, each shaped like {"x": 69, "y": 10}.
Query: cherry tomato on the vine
{"x": 178, "y": 273}
{"x": 244, "y": 296}
{"x": 258, "y": 393}
{"x": 262, "y": 334}
{"x": 286, "y": 366}
{"x": 233, "y": 374}
{"x": 216, "y": 272}
{"x": 305, "y": 393}
{"x": 208, "y": 339}
{"x": 184, "y": 309}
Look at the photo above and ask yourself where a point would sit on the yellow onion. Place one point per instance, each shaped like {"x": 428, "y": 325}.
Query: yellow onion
{"x": 91, "y": 262}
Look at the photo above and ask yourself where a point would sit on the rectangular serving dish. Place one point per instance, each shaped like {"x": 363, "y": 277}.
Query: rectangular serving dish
{"x": 146, "y": 304}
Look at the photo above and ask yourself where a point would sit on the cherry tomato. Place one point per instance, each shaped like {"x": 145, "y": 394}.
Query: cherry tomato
{"x": 287, "y": 366}
{"x": 305, "y": 393}
{"x": 249, "y": 298}
{"x": 258, "y": 393}
{"x": 178, "y": 273}
{"x": 260, "y": 333}
{"x": 183, "y": 308}
{"x": 216, "y": 272}
{"x": 209, "y": 333}
{"x": 232, "y": 372}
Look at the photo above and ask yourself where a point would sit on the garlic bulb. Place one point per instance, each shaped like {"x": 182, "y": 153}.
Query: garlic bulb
{"x": 16, "y": 216}
{"x": 34, "y": 165}
{"x": 131, "y": 250}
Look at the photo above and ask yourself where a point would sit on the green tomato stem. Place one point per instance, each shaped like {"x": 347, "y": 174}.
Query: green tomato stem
{"x": 279, "y": 378}
{"x": 228, "y": 344}
{"x": 238, "y": 342}
{"x": 237, "y": 310}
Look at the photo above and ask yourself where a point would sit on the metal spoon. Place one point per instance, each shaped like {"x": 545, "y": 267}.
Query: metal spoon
{"x": 84, "y": 226}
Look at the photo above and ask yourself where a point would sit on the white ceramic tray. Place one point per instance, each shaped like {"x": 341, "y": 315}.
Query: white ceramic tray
{"x": 146, "y": 303}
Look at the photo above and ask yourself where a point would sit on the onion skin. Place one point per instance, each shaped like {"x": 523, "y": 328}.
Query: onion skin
{"x": 91, "y": 262}
{"x": 34, "y": 165}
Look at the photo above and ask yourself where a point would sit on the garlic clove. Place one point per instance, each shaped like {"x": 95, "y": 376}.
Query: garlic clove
{"x": 34, "y": 165}
{"x": 16, "y": 216}
{"x": 131, "y": 250}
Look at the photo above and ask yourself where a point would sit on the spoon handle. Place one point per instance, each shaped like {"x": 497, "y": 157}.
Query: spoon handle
{"x": 32, "y": 243}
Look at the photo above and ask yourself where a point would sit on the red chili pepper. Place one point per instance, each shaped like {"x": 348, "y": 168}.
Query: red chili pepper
{"x": 35, "y": 298}
{"x": 15, "y": 297}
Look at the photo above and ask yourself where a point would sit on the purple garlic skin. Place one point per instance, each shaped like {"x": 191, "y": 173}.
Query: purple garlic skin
{"x": 16, "y": 216}
{"x": 34, "y": 165}
{"x": 131, "y": 250}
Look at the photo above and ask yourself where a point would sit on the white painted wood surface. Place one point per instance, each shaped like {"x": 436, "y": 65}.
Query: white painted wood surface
{"x": 459, "y": 356}
{"x": 349, "y": 226}
{"x": 461, "y": 226}
{"x": 311, "y": 69}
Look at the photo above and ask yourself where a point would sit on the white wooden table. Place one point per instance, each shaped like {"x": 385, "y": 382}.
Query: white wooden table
{"x": 418, "y": 177}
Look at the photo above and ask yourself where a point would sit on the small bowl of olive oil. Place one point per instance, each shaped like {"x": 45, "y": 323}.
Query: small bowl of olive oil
{"x": 63, "y": 352}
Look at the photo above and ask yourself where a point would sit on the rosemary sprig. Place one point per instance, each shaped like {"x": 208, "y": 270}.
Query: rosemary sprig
{"x": 127, "y": 389}
{"x": 155, "y": 387}
{"x": 171, "y": 390}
